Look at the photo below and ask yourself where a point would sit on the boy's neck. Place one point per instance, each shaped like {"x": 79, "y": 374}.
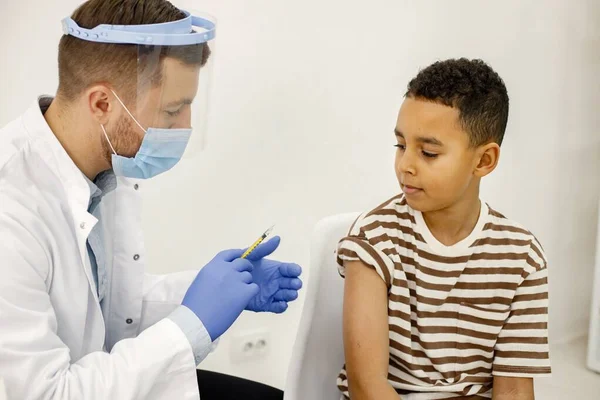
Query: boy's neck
{"x": 453, "y": 224}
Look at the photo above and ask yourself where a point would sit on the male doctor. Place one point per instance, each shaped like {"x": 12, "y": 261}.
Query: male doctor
{"x": 79, "y": 317}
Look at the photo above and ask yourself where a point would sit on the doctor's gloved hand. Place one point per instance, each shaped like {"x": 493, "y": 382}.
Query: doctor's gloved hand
{"x": 221, "y": 291}
{"x": 278, "y": 282}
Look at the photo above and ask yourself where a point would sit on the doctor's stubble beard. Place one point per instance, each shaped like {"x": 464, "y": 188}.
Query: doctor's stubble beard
{"x": 124, "y": 137}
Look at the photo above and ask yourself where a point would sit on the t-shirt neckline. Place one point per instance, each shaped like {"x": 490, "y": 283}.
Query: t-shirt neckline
{"x": 461, "y": 245}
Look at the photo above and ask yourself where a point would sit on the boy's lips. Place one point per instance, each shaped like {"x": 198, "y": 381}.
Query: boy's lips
{"x": 407, "y": 189}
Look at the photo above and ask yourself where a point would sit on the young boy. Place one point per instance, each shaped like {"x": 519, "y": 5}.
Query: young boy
{"x": 445, "y": 298}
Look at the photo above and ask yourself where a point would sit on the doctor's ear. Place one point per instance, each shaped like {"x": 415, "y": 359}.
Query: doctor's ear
{"x": 101, "y": 103}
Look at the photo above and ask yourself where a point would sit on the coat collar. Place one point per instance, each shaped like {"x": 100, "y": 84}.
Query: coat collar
{"x": 72, "y": 179}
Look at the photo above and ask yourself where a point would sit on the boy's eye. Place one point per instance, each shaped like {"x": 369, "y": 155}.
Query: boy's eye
{"x": 429, "y": 155}
{"x": 425, "y": 153}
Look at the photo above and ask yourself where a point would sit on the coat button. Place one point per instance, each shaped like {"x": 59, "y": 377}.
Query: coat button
{"x": 129, "y": 320}
{"x": 136, "y": 186}
{"x": 82, "y": 225}
{"x": 136, "y": 257}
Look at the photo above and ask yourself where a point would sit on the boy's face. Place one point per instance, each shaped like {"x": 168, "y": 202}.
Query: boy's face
{"x": 434, "y": 162}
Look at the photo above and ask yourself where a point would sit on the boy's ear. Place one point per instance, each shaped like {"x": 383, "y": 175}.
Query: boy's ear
{"x": 487, "y": 159}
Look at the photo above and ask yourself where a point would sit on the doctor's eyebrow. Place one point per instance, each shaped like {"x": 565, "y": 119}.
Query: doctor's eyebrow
{"x": 185, "y": 101}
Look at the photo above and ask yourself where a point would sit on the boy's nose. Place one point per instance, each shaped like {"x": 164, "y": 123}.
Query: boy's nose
{"x": 405, "y": 164}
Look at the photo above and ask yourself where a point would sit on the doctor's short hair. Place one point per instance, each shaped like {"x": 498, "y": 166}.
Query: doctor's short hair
{"x": 472, "y": 87}
{"x": 82, "y": 63}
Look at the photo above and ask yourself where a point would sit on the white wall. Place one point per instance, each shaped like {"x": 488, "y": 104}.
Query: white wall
{"x": 305, "y": 100}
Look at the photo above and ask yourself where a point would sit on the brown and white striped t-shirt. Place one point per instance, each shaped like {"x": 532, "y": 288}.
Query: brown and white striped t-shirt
{"x": 458, "y": 315}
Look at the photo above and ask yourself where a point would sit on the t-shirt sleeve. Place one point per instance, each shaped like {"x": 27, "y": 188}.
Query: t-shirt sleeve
{"x": 356, "y": 246}
{"x": 522, "y": 348}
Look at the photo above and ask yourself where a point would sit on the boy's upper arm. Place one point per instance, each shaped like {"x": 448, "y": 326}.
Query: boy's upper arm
{"x": 522, "y": 348}
{"x": 506, "y": 388}
{"x": 366, "y": 332}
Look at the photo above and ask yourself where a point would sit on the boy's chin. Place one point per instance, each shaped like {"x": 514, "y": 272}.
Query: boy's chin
{"x": 415, "y": 204}
{"x": 422, "y": 205}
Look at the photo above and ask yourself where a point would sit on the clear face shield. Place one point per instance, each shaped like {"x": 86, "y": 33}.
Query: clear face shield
{"x": 173, "y": 90}
{"x": 170, "y": 103}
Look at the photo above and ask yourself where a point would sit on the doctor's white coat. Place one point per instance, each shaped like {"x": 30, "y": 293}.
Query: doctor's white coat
{"x": 55, "y": 340}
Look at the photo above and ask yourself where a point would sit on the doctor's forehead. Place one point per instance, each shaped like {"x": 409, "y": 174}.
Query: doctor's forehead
{"x": 179, "y": 80}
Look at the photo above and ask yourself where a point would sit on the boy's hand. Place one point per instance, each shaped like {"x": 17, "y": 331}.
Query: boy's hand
{"x": 507, "y": 388}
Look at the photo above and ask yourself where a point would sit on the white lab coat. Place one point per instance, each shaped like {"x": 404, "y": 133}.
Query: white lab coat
{"x": 55, "y": 341}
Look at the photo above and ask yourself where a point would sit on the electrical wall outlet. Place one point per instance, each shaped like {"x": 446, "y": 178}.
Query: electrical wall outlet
{"x": 250, "y": 345}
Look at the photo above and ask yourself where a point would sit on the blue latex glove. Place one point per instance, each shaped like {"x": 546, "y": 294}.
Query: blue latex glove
{"x": 221, "y": 291}
{"x": 278, "y": 281}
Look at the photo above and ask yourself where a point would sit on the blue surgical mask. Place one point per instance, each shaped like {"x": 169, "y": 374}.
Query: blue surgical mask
{"x": 161, "y": 149}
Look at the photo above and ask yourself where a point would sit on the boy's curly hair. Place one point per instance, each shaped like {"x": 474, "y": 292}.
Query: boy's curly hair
{"x": 472, "y": 87}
